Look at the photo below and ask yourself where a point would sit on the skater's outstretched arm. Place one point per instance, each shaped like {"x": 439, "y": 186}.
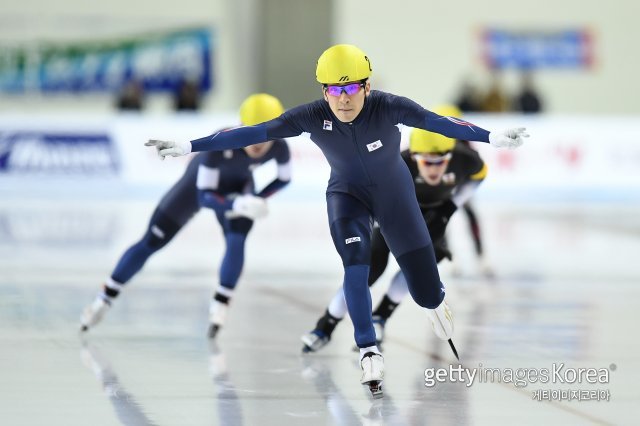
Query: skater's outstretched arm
{"x": 238, "y": 137}
{"x": 410, "y": 113}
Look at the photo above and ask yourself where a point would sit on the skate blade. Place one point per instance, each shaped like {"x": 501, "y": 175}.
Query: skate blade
{"x": 84, "y": 328}
{"x": 375, "y": 387}
{"x": 453, "y": 348}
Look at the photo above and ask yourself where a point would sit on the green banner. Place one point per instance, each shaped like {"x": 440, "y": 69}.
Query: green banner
{"x": 158, "y": 61}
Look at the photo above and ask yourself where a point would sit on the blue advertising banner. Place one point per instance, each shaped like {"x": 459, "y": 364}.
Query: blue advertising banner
{"x": 58, "y": 153}
{"x": 158, "y": 62}
{"x": 571, "y": 49}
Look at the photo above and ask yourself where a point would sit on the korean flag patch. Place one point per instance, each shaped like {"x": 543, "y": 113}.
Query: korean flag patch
{"x": 374, "y": 145}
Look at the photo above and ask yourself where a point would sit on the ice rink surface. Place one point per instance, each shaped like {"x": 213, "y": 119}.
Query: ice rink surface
{"x": 565, "y": 295}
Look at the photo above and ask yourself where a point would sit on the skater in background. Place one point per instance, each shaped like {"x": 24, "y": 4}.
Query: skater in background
{"x": 470, "y": 211}
{"x": 223, "y": 182}
{"x": 445, "y": 174}
{"x": 341, "y": 409}
{"x": 476, "y": 234}
{"x": 356, "y": 129}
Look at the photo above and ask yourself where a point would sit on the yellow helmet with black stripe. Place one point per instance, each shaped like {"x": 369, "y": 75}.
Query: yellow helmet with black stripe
{"x": 342, "y": 63}
{"x": 259, "y": 108}
{"x": 424, "y": 142}
{"x": 448, "y": 110}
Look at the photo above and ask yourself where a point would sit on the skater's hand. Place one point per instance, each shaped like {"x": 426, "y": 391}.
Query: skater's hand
{"x": 248, "y": 206}
{"x": 509, "y": 138}
{"x": 170, "y": 148}
{"x": 438, "y": 218}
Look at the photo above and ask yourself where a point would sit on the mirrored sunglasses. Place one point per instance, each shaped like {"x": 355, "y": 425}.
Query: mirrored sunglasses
{"x": 349, "y": 89}
{"x": 431, "y": 159}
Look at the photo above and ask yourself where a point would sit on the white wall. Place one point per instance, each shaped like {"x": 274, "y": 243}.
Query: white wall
{"x": 39, "y": 20}
{"x": 422, "y": 49}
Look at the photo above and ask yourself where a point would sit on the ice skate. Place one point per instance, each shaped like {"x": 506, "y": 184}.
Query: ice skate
{"x": 441, "y": 321}
{"x": 442, "y": 324}
{"x": 217, "y": 361}
{"x": 93, "y": 313}
{"x": 372, "y": 365}
{"x": 314, "y": 341}
{"x": 217, "y": 317}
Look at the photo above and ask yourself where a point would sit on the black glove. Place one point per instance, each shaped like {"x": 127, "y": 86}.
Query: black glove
{"x": 438, "y": 218}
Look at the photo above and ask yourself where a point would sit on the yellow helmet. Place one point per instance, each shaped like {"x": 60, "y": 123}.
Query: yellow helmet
{"x": 448, "y": 110}
{"x": 259, "y": 108}
{"x": 424, "y": 142}
{"x": 342, "y": 63}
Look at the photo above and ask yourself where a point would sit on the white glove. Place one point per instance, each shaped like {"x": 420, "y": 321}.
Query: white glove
{"x": 509, "y": 138}
{"x": 248, "y": 206}
{"x": 170, "y": 148}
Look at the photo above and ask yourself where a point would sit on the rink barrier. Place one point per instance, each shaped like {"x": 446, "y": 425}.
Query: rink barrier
{"x": 579, "y": 158}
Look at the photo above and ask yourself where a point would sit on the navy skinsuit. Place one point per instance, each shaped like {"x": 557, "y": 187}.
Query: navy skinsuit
{"x": 184, "y": 199}
{"x": 233, "y": 175}
{"x": 368, "y": 180}
{"x": 222, "y": 176}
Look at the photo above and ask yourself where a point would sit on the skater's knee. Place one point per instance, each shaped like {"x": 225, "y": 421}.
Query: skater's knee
{"x": 352, "y": 240}
{"x": 161, "y": 230}
{"x": 240, "y": 225}
{"x": 155, "y": 238}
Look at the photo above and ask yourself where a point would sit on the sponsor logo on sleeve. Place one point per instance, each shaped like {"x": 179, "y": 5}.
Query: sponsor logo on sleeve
{"x": 460, "y": 122}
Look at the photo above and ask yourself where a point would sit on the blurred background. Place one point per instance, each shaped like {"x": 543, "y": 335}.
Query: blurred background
{"x": 121, "y": 74}
{"x": 81, "y": 56}
{"x": 84, "y": 84}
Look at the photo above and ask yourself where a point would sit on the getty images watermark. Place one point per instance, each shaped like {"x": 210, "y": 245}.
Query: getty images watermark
{"x": 559, "y": 373}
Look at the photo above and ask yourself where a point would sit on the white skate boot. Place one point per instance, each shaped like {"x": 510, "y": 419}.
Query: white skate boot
{"x": 372, "y": 365}
{"x": 217, "y": 317}
{"x": 93, "y": 313}
{"x": 217, "y": 362}
{"x": 314, "y": 341}
{"x": 442, "y": 324}
{"x": 441, "y": 321}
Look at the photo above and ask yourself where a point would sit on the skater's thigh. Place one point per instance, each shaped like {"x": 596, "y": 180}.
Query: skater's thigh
{"x": 350, "y": 225}
{"x": 239, "y": 225}
{"x": 379, "y": 255}
{"x": 404, "y": 230}
{"x": 161, "y": 230}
